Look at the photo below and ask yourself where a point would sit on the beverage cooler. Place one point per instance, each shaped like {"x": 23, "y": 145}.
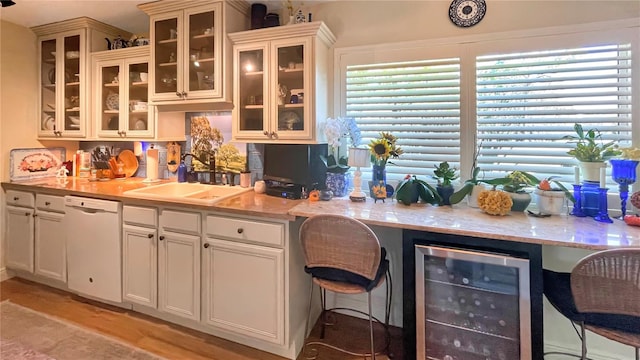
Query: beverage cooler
{"x": 471, "y": 298}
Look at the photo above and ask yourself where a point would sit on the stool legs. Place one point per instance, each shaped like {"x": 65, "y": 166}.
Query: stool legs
{"x": 583, "y": 338}
{"x": 373, "y": 350}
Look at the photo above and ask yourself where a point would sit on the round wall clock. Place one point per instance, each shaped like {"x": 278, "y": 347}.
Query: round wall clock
{"x": 465, "y": 13}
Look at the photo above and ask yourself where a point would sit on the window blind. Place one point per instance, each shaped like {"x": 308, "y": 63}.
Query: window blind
{"x": 418, "y": 102}
{"x": 526, "y": 103}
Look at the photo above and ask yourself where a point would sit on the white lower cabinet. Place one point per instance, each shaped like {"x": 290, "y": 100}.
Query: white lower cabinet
{"x": 140, "y": 255}
{"x": 179, "y": 264}
{"x": 50, "y": 240}
{"x": 20, "y": 232}
{"x": 20, "y": 238}
{"x": 244, "y": 288}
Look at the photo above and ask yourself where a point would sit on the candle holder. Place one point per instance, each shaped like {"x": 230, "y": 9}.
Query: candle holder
{"x": 577, "y": 204}
{"x": 603, "y": 216}
{"x": 623, "y": 172}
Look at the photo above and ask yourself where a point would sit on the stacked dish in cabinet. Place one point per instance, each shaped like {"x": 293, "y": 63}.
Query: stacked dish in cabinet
{"x": 471, "y": 305}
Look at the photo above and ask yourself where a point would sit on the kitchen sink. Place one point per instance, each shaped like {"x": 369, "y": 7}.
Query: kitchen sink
{"x": 194, "y": 193}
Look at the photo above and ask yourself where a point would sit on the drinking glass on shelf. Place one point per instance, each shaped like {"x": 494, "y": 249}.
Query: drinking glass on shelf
{"x": 623, "y": 172}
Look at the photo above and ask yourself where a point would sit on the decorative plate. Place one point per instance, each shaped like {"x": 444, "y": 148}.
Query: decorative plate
{"x": 48, "y": 123}
{"x": 113, "y": 101}
{"x": 465, "y": 13}
{"x": 140, "y": 125}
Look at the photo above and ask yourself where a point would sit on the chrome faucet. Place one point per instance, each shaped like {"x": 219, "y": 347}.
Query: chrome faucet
{"x": 211, "y": 164}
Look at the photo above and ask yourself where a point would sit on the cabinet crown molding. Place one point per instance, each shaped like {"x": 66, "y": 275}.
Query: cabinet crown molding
{"x": 316, "y": 28}
{"x": 163, "y": 6}
{"x": 78, "y": 23}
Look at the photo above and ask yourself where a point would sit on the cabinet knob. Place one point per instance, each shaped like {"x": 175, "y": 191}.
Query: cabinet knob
{"x": 15, "y": 198}
{"x": 240, "y": 230}
{"x": 34, "y": 215}
{"x": 274, "y": 134}
{"x": 206, "y": 245}
{"x": 26, "y": 214}
{"x": 184, "y": 95}
{"x": 150, "y": 236}
{"x": 47, "y": 203}
{"x": 266, "y": 133}
{"x": 124, "y": 133}
{"x": 178, "y": 94}
{"x": 161, "y": 237}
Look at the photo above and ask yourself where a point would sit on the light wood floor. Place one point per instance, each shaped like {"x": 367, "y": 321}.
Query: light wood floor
{"x": 162, "y": 338}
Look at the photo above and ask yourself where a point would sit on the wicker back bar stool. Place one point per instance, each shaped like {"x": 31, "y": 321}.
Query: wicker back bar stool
{"x": 343, "y": 255}
{"x": 602, "y": 295}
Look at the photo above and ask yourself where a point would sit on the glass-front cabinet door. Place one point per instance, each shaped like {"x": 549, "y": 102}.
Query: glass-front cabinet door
{"x": 187, "y": 45}
{"x": 166, "y": 51}
{"x": 290, "y": 114}
{"x": 252, "y": 91}
{"x": 61, "y": 94}
{"x": 138, "y": 121}
{"x": 121, "y": 101}
{"x": 203, "y": 73}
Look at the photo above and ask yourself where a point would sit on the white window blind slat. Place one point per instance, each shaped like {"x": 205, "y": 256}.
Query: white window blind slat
{"x": 526, "y": 103}
{"x": 418, "y": 102}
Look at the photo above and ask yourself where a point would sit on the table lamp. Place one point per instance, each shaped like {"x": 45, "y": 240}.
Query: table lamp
{"x": 358, "y": 157}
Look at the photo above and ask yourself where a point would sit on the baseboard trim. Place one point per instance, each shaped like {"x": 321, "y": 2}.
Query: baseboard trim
{"x": 593, "y": 354}
{"x": 4, "y": 275}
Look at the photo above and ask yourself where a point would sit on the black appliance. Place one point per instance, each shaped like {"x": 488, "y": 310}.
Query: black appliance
{"x": 291, "y": 169}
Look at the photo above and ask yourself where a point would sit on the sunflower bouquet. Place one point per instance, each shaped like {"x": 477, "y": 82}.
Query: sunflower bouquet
{"x": 383, "y": 148}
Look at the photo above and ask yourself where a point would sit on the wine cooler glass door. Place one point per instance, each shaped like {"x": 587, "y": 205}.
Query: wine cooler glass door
{"x": 471, "y": 305}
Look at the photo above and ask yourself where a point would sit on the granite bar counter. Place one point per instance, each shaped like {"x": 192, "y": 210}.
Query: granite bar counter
{"x": 459, "y": 219}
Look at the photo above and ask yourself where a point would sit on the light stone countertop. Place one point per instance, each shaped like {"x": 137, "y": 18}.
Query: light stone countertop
{"x": 460, "y": 219}
{"x": 248, "y": 203}
{"x": 562, "y": 230}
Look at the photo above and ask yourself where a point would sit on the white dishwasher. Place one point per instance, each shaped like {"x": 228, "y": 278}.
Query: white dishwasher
{"x": 94, "y": 239}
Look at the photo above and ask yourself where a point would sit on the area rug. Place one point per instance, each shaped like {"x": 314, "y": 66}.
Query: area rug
{"x": 26, "y": 334}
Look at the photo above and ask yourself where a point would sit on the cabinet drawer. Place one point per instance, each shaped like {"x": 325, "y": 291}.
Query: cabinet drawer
{"x": 240, "y": 229}
{"x": 50, "y": 203}
{"x": 140, "y": 216}
{"x": 20, "y": 198}
{"x": 180, "y": 221}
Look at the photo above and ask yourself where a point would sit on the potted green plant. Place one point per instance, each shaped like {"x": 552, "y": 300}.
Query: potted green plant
{"x": 550, "y": 195}
{"x": 591, "y": 151}
{"x": 473, "y": 186}
{"x": 445, "y": 174}
{"x": 411, "y": 189}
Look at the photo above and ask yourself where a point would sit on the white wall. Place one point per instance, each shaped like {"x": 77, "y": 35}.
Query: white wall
{"x": 377, "y": 22}
{"x": 18, "y": 104}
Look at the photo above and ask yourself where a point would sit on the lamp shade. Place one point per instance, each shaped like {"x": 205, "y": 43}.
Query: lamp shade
{"x": 359, "y": 157}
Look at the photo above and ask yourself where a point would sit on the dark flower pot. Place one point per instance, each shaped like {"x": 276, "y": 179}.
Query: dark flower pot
{"x": 445, "y": 192}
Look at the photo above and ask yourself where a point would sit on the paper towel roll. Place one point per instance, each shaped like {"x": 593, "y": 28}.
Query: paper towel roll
{"x": 152, "y": 164}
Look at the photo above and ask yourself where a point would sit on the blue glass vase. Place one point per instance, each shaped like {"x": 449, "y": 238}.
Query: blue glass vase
{"x": 378, "y": 175}
{"x": 623, "y": 172}
{"x": 338, "y": 183}
{"x": 379, "y": 172}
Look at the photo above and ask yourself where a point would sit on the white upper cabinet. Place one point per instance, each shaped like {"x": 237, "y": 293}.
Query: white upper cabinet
{"x": 281, "y": 83}
{"x": 190, "y": 53}
{"x": 64, "y": 74}
{"x": 120, "y": 104}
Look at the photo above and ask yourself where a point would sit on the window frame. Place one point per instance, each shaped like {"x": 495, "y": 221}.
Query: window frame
{"x": 468, "y": 48}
